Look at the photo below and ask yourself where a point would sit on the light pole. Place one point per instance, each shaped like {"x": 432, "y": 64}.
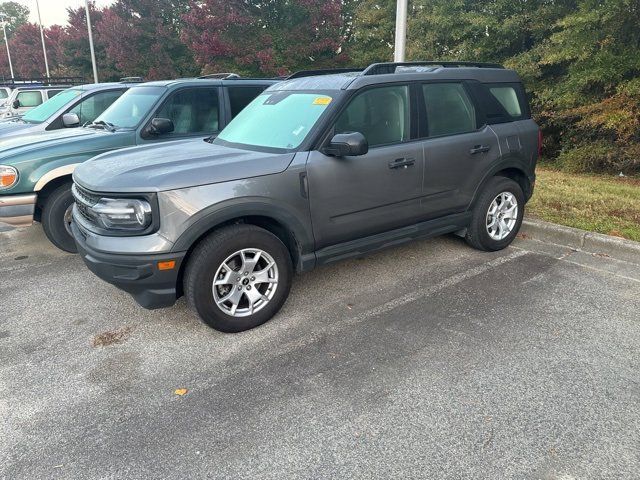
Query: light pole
{"x": 401, "y": 31}
{"x": 6, "y": 41}
{"x": 93, "y": 53}
{"x": 44, "y": 47}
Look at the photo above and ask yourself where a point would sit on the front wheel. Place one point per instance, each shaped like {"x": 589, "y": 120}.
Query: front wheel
{"x": 56, "y": 218}
{"x": 497, "y": 215}
{"x": 238, "y": 277}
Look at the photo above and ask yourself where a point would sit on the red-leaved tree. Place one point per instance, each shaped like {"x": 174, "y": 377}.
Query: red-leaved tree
{"x": 143, "y": 38}
{"x": 269, "y": 37}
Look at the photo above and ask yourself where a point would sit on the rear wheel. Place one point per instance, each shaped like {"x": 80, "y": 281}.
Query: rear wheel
{"x": 238, "y": 277}
{"x": 497, "y": 215}
{"x": 56, "y": 218}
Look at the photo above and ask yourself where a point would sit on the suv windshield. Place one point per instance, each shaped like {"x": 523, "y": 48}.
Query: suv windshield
{"x": 280, "y": 120}
{"x": 51, "y": 106}
{"x": 131, "y": 107}
{"x": 3, "y": 94}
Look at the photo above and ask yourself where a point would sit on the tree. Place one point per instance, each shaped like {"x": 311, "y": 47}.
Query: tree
{"x": 270, "y": 37}
{"x": 143, "y": 38}
{"x": 76, "y": 57}
{"x": 15, "y": 15}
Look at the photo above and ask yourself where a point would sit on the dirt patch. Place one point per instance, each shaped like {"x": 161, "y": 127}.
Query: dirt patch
{"x": 112, "y": 337}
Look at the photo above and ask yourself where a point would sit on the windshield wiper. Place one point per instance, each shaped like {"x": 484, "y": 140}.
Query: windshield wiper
{"x": 110, "y": 127}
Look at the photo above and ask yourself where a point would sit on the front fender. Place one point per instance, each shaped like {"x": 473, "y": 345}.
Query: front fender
{"x": 220, "y": 213}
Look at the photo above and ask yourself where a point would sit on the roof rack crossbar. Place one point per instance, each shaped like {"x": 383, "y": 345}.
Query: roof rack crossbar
{"x": 390, "y": 67}
{"x": 326, "y": 71}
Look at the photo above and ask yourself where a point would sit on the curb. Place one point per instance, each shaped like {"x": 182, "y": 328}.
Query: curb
{"x": 596, "y": 243}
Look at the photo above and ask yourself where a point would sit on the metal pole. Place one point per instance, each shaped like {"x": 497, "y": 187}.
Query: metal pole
{"x": 44, "y": 47}
{"x": 401, "y": 31}
{"x": 93, "y": 53}
{"x": 6, "y": 41}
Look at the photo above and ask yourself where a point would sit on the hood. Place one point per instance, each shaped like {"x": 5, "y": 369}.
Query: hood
{"x": 178, "y": 164}
{"x": 14, "y": 127}
{"x": 34, "y": 141}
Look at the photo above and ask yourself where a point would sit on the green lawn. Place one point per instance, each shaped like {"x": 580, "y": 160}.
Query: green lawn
{"x": 604, "y": 204}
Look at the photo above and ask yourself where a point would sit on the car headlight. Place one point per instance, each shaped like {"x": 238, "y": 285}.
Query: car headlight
{"x": 8, "y": 177}
{"x": 123, "y": 214}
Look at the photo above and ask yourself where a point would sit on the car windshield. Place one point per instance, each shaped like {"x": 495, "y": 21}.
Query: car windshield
{"x": 129, "y": 110}
{"x": 43, "y": 111}
{"x": 279, "y": 120}
{"x": 3, "y": 94}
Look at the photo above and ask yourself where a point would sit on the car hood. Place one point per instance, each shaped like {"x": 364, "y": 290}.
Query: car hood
{"x": 17, "y": 144}
{"x": 15, "y": 127}
{"x": 179, "y": 164}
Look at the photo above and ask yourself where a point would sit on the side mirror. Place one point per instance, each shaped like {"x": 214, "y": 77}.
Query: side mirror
{"x": 70, "y": 120}
{"x": 160, "y": 126}
{"x": 346, "y": 145}
{"x": 16, "y": 103}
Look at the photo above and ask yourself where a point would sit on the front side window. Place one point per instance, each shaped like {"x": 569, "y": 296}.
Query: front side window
{"x": 51, "y": 106}
{"x": 192, "y": 111}
{"x": 382, "y": 115}
{"x": 132, "y": 107}
{"x": 449, "y": 109}
{"x": 29, "y": 99}
{"x": 279, "y": 120}
{"x": 89, "y": 108}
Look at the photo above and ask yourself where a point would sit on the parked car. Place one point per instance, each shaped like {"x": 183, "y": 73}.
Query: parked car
{"x": 5, "y": 92}
{"x": 70, "y": 108}
{"x": 23, "y": 99}
{"x": 35, "y": 170}
{"x": 314, "y": 170}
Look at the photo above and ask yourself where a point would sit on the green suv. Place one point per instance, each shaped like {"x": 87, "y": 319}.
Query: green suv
{"x": 35, "y": 170}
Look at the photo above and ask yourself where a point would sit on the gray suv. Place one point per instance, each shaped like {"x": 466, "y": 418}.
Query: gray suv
{"x": 316, "y": 169}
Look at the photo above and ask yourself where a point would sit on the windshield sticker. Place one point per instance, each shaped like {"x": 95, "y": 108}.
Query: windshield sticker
{"x": 298, "y": 130}
{"x": 322, "y": 101}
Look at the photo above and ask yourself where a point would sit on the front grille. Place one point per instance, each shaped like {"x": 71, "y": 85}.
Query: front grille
{"x": 85, "y": 200}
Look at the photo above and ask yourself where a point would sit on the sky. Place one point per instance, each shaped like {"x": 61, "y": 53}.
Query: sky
{"x": 55, "y": 11}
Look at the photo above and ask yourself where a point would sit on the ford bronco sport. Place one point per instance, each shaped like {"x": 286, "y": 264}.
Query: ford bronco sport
{"x": 314, "y": 170}
{"x": 35, "y": 170}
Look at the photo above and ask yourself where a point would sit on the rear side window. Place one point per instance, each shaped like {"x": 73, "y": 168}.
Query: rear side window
{"x": 505, "y": 102}
{"x": 29, "y": 99}
{"x": 52, "y": 93}
{"x": 449, "y": 109}
{"x": 240, "y": 97}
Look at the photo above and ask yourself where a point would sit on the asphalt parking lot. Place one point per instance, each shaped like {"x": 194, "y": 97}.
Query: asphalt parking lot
{"x": 431, "y": 360}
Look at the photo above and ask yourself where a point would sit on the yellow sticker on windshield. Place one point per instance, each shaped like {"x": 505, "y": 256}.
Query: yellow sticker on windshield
{"x": 322, "y": 101}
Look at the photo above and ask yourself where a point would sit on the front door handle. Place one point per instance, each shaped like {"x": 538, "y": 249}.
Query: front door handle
{"x": 479, "y": 149}
{"x": 402, "y": 162}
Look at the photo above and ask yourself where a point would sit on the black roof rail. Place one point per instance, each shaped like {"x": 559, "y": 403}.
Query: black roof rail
{"x": 327, "y": 71}
{"x": 44, "y": 81}
{"x": 221, "y": 76}
{"x": 390, "y": 67}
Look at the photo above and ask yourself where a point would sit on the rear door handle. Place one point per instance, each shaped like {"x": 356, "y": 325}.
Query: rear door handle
{"x": 479, "y": 149}
{"x": 402, "y": 162}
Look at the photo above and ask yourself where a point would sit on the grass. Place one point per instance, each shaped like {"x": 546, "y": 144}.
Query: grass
{"x": 603, "y": 204}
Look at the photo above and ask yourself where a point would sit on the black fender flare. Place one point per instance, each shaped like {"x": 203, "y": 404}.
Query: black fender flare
{"x": 220, "y": 213}
{"x": 505, "y": 163}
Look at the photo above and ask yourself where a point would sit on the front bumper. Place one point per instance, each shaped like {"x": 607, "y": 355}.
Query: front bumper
{"x": 18, "y": 210}
{"x": 137, "y": 275}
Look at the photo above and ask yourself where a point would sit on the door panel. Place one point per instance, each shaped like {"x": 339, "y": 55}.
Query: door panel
{"x": 452, "y": 171}
{"x": 352, "y": 197}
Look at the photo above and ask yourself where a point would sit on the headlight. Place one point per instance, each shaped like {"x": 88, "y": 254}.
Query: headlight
{"x": 123, "y": 214}
{"x": 8, "y": 177}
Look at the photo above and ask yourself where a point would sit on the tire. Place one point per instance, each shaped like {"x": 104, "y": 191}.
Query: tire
{"x": 485, "y": 235}
{"x": 236, "y": 246}
{"x": 56, "y": 207}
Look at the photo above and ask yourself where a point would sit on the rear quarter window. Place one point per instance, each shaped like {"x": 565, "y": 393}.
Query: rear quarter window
{"x": 505, "y": 102}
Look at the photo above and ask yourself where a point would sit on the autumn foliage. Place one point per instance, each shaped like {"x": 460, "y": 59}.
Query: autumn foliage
{"x": 580, "y": 59}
